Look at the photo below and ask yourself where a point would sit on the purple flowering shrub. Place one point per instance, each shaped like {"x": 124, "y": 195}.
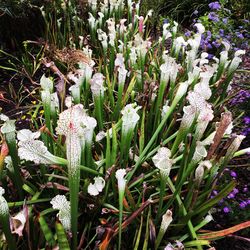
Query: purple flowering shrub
{"x": 241, "y": 103}
{"x": 236, "y": 206}
{"x": 221, "y": 25}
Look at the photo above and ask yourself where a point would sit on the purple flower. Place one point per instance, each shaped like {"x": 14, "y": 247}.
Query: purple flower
{"x": 216, "y": 44}
{"x": 209, "y": 33}
{"x": 210, "y": 56}
{"x": 248, "y": 202}
{"x": 233, "y": 174}
{"x": 213, "y": 16}
{"x": 246, "y": 119}
{"x": 239, "y": 35}
{"x": 245, "y": 189}
{"x": 221, "y": 32}
{"x": 225, "y": 20}
{"x": 243, "y": 204}
{"x": 246, "y": 131}
{"x": 221, "y": 201}
{"x": 209, "y": 46}
{"x": 241, "y": 97}
{"x": 235, "y": 190}
{"x": 214, "y": 6}
{"x": 231, "y": 196}
{"x": 188, "y": 34}
{"x": 226, "y": 210}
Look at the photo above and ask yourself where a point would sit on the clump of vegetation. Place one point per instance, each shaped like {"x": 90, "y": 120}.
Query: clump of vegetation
{"x": 131, "y": 141}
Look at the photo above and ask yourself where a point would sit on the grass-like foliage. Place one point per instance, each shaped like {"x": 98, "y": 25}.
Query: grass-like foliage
{"x": 129, "y": 154}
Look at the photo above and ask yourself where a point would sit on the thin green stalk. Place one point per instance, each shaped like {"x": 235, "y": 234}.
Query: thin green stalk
{"x": 163, "y": 182}
{"x": 242, "y": 152}
{"x": 179, "y": 185}
{"x": 62, "y": 238}
{"x": 5, "y": 220}
{"x": 119, "y": 101}
{"x": 138, "y": 235}
{"x": 108, "y": 152}
{"x": 114, "y": 145}
{"x": 121, "y": 196}
{"x": 111, "y": 62}
{"x": 88, "y": 154}
{"x": 196, "y": 228}
{"x": 74, "y": 181}
{"x": 145, "y": 244}
{"x": 154, "y": 137}
{"x": 11, "y": 142}
{"x": 125, "y": 145}
{"x": 158, "y": 105}
{"x": 21, "y": 203}
{"x": 74, "y": 157}
{"x": 180, "y": 204}
{"x": 181, "y": 133}
{"x": 170, "y": 138}
{"x": 142, "y": 132}
{"x": 110, "y": 88}
{"x": 47, "y": 114}
{"x": 98, "y": 111}
{"x": 46, "y": 231}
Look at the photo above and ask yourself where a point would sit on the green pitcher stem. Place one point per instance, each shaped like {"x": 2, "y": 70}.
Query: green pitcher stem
{"x": 11, "y": 142}
{"x": 98, "y": 111}
{"x": 74, "y": 181}
{"x": 74, "y": 157}
{"x": 121, "y": 196}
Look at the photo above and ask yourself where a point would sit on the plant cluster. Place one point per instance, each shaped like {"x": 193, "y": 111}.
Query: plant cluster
{"x": 130, "y": 154}
{"x": 221, "y": 26}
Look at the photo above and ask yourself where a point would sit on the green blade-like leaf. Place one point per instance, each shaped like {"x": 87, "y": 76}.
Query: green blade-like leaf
{"x": 62, "y": 238}
{"x": 46, "y": 231}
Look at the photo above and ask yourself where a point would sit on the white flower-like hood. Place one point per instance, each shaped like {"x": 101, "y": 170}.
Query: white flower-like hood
{"x": 4, "y": 208}
{"x": 120, "y": 173}
{"x": 8, "y": 126}
{"x": 129, "y": 117}
{"x": 26, "y": 135}
{"x": 162, "y": 161}
{"x": 200, "y": 28}
{"x": 60, "y": 203}
{"x": 72, "y": 120}
{"x": 97, "y": 187}
{"x": 30, "y": 149}
{"x": 166, "y": 220}
{"x": 46, "y": 83}
{"x": 96, "y": 84}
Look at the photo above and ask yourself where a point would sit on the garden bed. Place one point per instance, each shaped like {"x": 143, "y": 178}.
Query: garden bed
{"x": 121, "y": 140}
